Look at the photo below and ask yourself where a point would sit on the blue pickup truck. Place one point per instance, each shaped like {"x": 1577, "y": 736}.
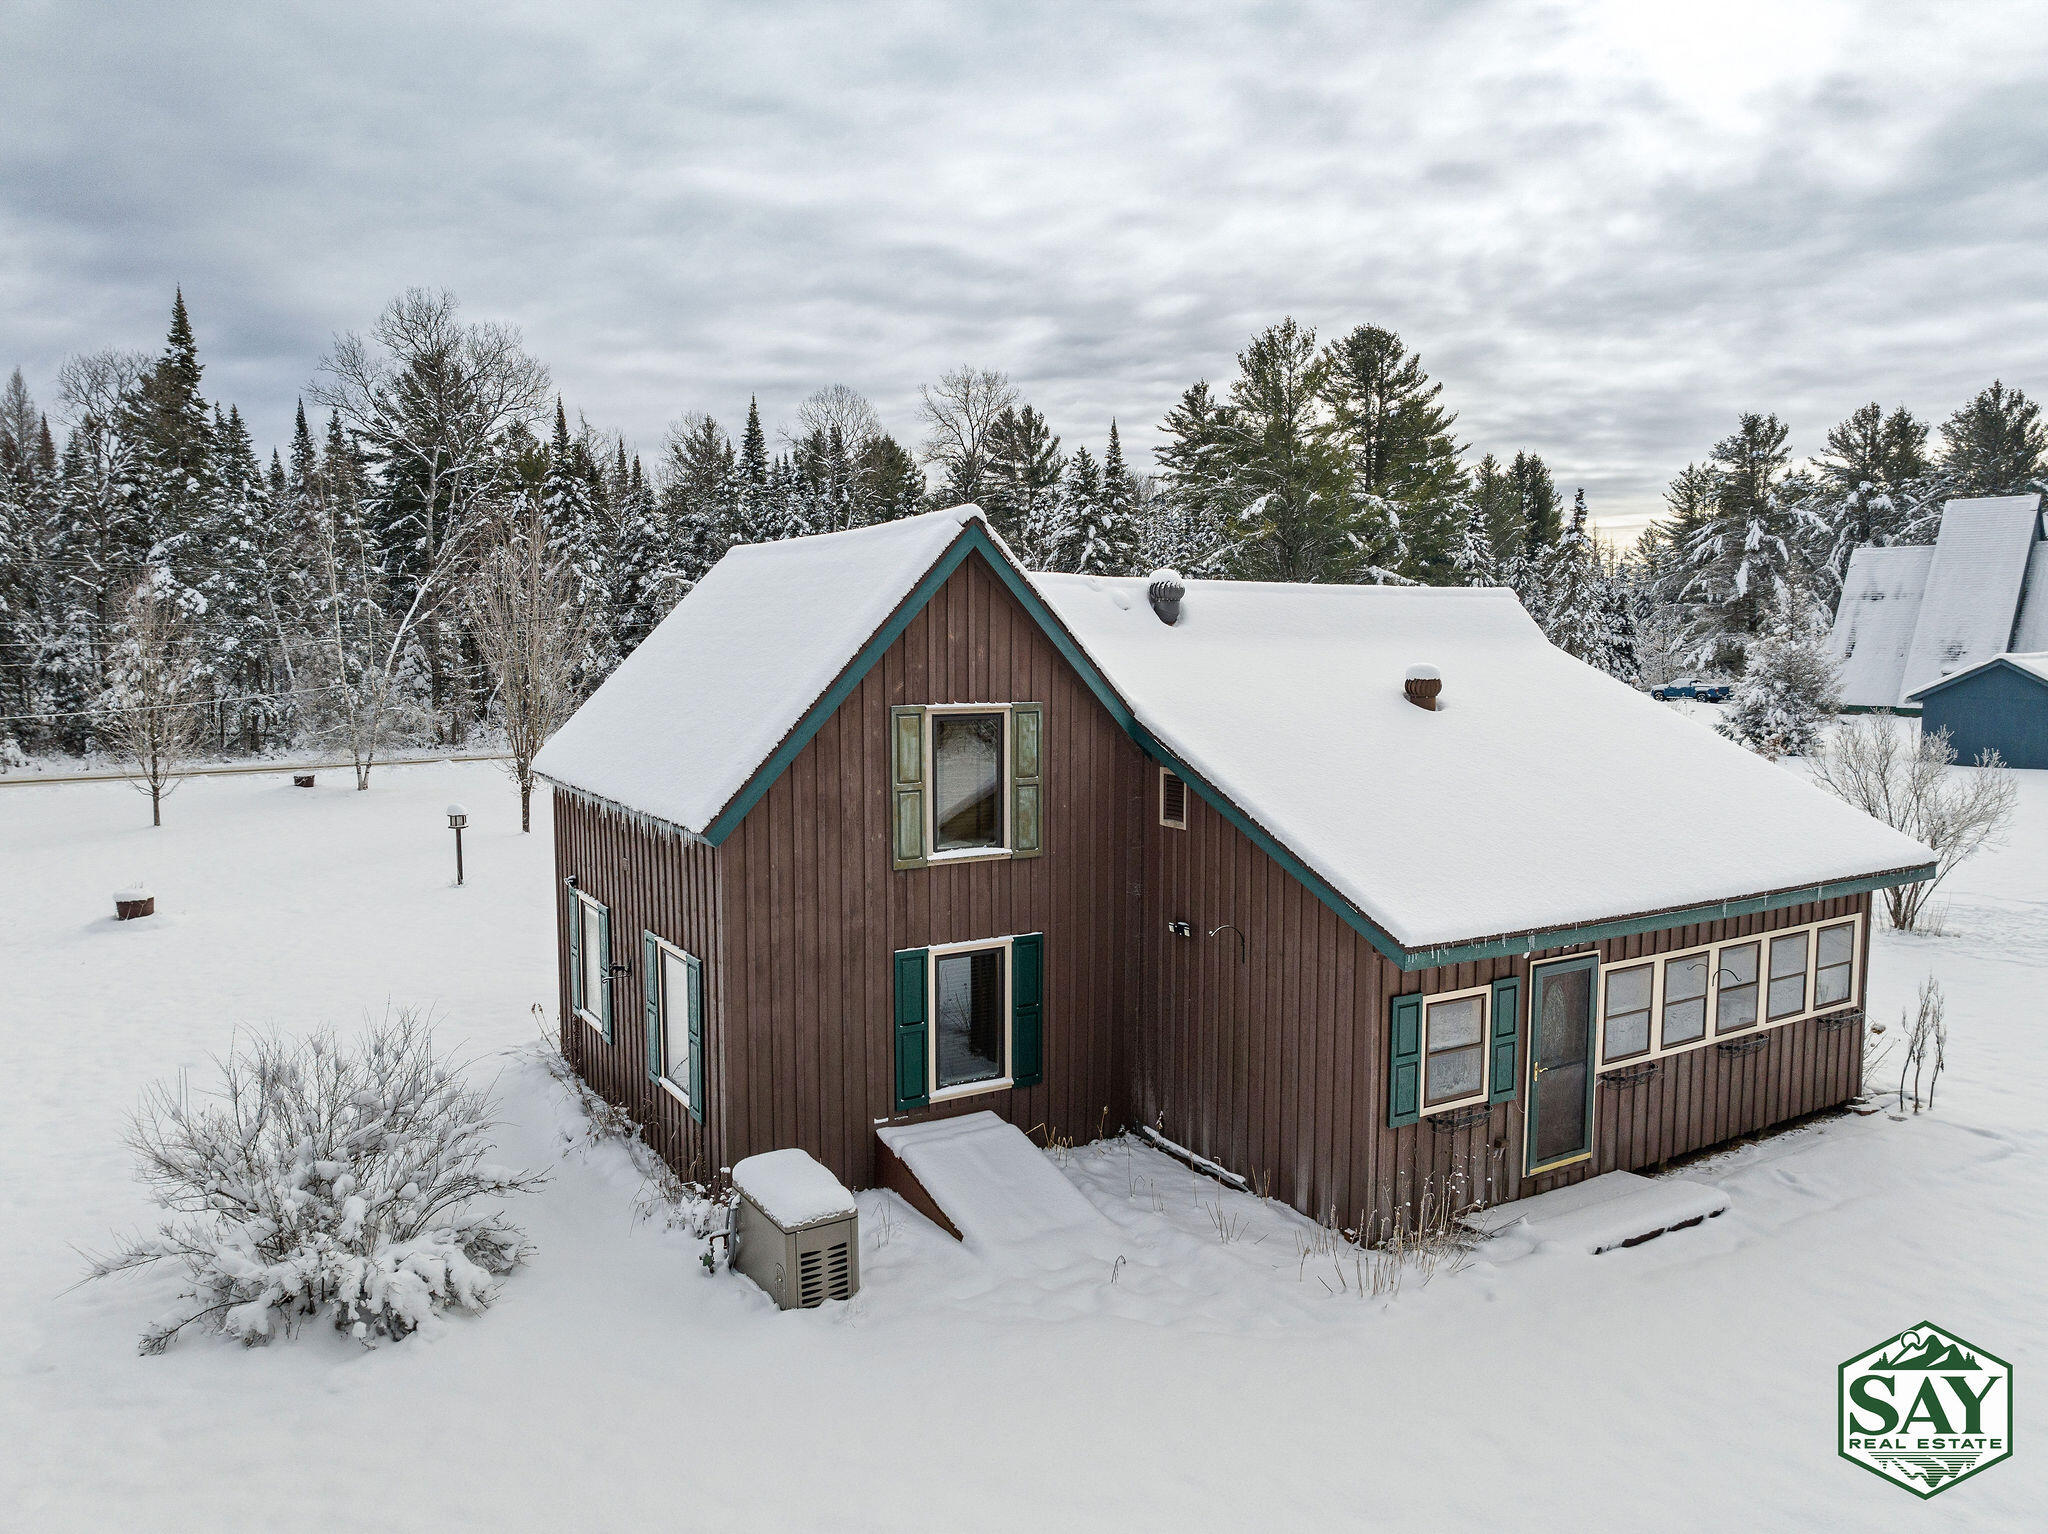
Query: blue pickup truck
{"x": 1705, "y": 692}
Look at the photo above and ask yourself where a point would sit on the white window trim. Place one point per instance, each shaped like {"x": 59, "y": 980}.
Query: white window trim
{"x": 932, "y": 712}
{"x": 1713, "y": 951}
{"x": 584, "y": 958}
{"x": 1181, "y": 824}
{"x": 933, "y": 1091}
{"x": 1437, "y": 998}
{"x": 679, "y": 1093}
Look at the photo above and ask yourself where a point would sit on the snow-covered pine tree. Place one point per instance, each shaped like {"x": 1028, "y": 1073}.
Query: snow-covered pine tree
{"x": 698, "y": 479}
{"x": 1995, "y": 445}
{"x": 887, "y": 483}
{"x": 1745, "y": 561}
{"x": 1023, "y": 476}
{"x": 1535, "y": 495}
{"x": 753, "y": 513}
{"x": 1869, "y": 487}
{"x": 226, "y": 560}
{"x": 1474, "y": 563}
{"x": 645, "y": 565}
{"x": 1186, "y": 528}
{"x": 1574, "y": 596}
{"x": 168, "y": 470}
{"x": 580, "y": 541}
{"x": 1112, "y": 547}
{"x": 1791, "y": 690}
{"x": 1067, "y": 538}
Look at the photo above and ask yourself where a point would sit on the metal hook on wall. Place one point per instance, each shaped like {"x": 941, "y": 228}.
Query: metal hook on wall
{"x": 1243, "y": 944}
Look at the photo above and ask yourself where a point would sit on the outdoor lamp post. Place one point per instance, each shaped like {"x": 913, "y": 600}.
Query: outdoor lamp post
{"x": 458, "y": 817}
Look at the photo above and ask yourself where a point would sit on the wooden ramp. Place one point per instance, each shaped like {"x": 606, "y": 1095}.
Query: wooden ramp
{"x": 982, "y": 1180}
{"x": 1602, "y": 1213}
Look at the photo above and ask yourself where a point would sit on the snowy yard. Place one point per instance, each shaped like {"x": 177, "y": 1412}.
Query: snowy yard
{"x": 1198, "y": 1383}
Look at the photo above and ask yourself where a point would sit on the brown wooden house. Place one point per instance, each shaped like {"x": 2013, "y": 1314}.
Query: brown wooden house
{"x": 876, "y": 826}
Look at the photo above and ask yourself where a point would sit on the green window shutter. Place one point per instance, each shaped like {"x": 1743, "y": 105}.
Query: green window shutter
{"x": 912, "y": 1074}
{"x": 604, "y": 969}
{"x": 575, "y": 947}
{"x": 1027, "y": 779}
{"x": 1507, "y": 1018}
{"x": 695, "y": 967}
{"x": 906, "y": 786}
{"x": 1404, "y": 1061}
{"x": 1027, "y": 1034}
{"x": 650, "y": 1003}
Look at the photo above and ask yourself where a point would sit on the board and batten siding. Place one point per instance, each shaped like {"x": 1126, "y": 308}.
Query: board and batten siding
{"x": 801, "y": 912}
{"x": 651, "y": 878}
{"x": 1271, "y": 1058}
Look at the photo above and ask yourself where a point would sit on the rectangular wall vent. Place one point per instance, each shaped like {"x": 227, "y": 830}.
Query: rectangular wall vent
{"x": 1173, "y": 800}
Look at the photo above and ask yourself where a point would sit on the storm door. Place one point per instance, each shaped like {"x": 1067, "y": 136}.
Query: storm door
{"x": 1561, "y": 1063}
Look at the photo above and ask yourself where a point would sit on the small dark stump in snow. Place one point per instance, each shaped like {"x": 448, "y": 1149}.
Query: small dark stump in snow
{"x": 302, "y": 780}
{"x": 129, "y": 904}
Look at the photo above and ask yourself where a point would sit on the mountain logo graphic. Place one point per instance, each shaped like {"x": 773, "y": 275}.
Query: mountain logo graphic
{"x": 1925, "y": 1409}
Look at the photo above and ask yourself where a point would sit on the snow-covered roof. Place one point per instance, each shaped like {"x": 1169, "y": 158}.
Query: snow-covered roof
{"x": 1540, "y": 794}
{"x": 1911, "y": 616}
{"x": 1874, "y": 625}
{"x": 2035, "y": 664}
{"x": 686, "y": 719}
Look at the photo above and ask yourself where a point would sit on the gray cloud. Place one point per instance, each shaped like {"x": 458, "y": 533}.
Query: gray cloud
{"x": 1606, "y": 229}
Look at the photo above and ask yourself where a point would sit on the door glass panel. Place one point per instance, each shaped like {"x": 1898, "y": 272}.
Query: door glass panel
{"x": 1457, "y": 1057}
{"x": 970, "y": 1032}
{"x": 1788, "y": 975}
{"x": 1628, "y": 1012}
{"x": 1735, "y": 1002}
{"x": 1835, "y": 958}
{"x": 967, "y": 762}
{"x": 1564, "y": 1024}
{"x": 1685, "y": 1000}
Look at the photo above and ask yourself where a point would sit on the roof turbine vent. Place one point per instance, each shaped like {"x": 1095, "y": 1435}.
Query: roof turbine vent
{"x": 1166, "y": 592}
{"x": 1422, "y": 685}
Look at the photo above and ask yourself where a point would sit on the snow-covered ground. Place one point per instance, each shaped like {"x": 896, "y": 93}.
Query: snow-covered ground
{"x": 1198, "y": 1383}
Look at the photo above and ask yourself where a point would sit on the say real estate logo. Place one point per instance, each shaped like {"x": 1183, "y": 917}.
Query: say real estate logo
{"x": 1925, "y": 1409}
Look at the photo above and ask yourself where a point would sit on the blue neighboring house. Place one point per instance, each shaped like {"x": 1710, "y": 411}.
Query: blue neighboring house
{"x": 1998, "y": 705}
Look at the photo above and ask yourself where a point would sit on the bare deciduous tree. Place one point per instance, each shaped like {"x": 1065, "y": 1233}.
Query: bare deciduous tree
{"x": 355, "y": 654}
{"x": 1886, "y": 769}
{"x": 155, "y": 721}
{"x": 91, "y": 385}
{"x": 1926, "y": 1036}
{"x": 960, "y": 414}
{"x": 844, "y": 407}
{"x": 525, "y": 619}
{"x": 432, "y": 401}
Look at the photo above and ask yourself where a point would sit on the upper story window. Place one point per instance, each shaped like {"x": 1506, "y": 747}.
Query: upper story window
{"x": 966, "y": 781}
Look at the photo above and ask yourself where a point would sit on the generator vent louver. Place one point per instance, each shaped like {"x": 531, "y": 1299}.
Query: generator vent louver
{"x": 812, "y": 1254}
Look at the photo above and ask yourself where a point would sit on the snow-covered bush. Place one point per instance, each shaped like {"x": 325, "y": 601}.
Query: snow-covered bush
{"x": 1887, "y": 770}
{"x": 324, "y": 1180}
{"x": 1786, "y": 698}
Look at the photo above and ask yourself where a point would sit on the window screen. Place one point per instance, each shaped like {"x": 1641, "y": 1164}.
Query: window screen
{"x": 967, "y": 771}
{"x": 1627, "y": 1017}
{"x": 1685, "y": 1000}
{"x": 1837, "y": 957}
{"x": 1788, "y": 975}
{"x": 676, "y": 1004}
{"x": 592, "y": 945}
{"x": 969, "y": 1037}
{"x": 1456, "y": 1066}
{"x": 1735, "y": 1007}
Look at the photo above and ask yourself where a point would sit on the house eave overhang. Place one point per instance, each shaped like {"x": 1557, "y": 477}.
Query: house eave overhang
{"x": 973, "y": 539}
{"x": 1995, "y": 663}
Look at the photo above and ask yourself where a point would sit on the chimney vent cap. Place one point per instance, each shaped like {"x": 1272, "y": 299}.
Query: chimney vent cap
{"x": 1165, "y": 594}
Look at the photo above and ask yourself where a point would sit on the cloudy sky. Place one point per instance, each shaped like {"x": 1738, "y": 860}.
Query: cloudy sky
{"x": 1607, "y": 229}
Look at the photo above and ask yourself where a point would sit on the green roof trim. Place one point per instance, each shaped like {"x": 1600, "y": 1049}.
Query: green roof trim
{"x": 975, "y": 539}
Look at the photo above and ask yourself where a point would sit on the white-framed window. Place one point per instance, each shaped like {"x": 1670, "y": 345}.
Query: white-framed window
{"x": 1173, "y": 799}
{"x": 1454, "y": 1049}
{"x": 1625, "y": 1011}
{"x": 593, "y": 949}
{"x": 967, "y": 751}
{"x": 1668, "y": 1003}
{"x": 679, "y": 1014}
{"x": 968, "y": 1043}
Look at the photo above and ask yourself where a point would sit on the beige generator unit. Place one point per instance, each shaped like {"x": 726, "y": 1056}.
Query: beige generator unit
{"x": 796, "y": 1232}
